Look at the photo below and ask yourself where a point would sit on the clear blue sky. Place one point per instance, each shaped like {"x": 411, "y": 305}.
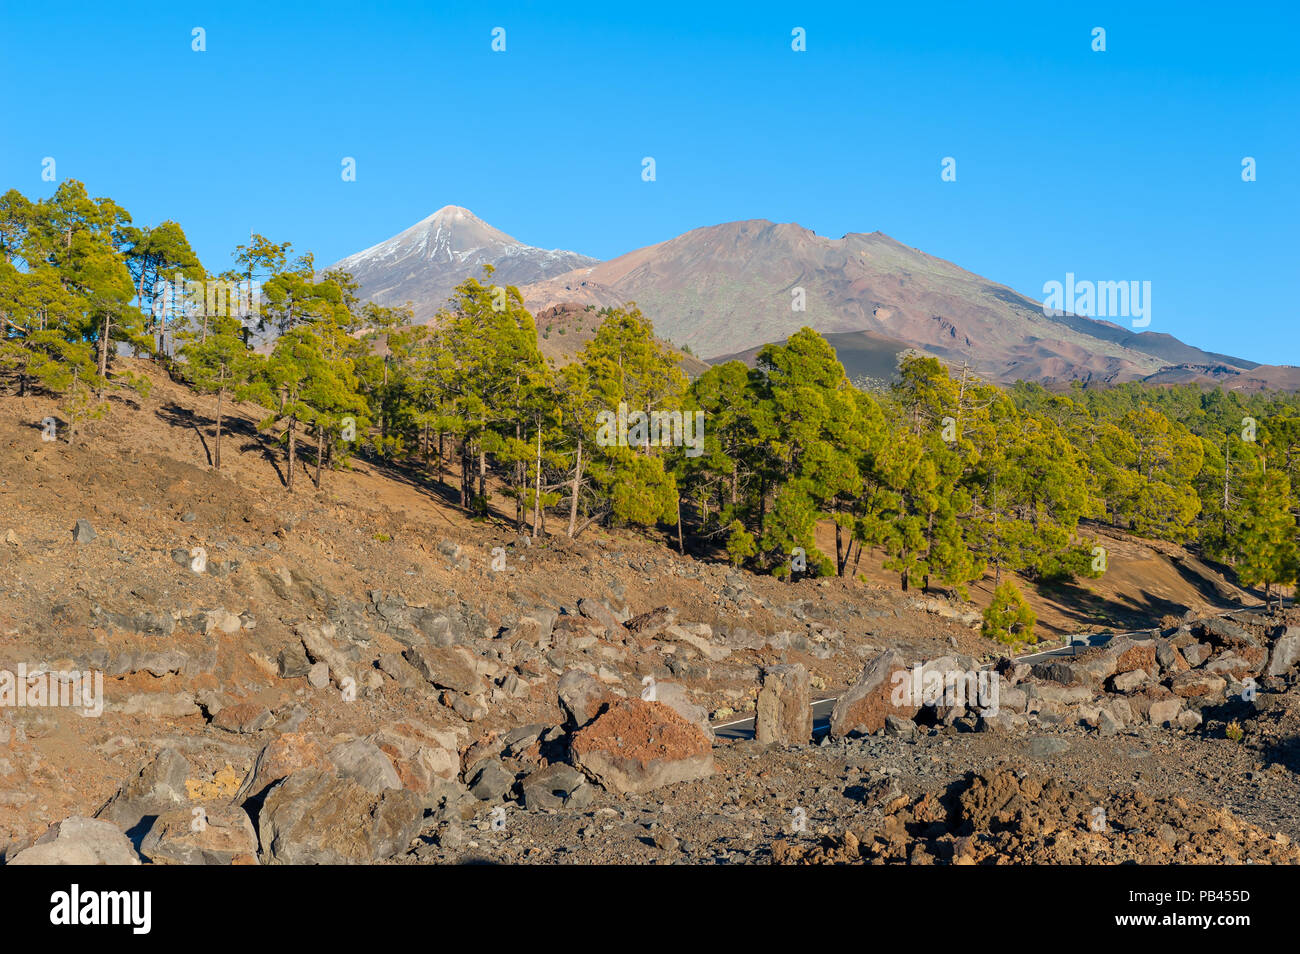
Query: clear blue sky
{"x": 1117, "y": 165}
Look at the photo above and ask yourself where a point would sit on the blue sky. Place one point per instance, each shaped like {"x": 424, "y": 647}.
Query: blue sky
{"x": 1115, "y": 166}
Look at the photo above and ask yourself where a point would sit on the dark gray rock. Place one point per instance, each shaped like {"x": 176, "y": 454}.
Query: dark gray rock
{"x": 294, "y": 663}
{"x": 556, "y": 786}
{"x": 492, "y": 782}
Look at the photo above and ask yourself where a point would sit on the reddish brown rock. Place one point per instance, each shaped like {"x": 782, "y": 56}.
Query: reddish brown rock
{"x": 1198, "y": 685}
{"x": 637, "y": 746}
{"x": 1130, "y": 654}
{"x": 879, "y": 692}
{"x": 244, "y": 718}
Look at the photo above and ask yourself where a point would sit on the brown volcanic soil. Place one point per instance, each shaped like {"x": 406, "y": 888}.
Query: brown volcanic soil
{"x": 1010, "y": 817}
{"x": 1143, "y": 779}
{"x": 142, "y": 479}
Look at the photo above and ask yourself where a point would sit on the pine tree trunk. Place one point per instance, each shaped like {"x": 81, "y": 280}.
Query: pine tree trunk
{"x": 482, "y": 466}
{"x": 103, "y": 352}
{"x": 320, "y": 453}
{"x": 139, "y": 300}
{"x": 1227, "y": 472}
{"x": 221, "y": 391}
{"x": 72, "y": 419}
{"x": 464, "y": 474}
{"x": 681, "y": 546}
{"x": 537, "y": 488}
{"x": 292, "y": 437}
{"x": 520, "y": 508}
{"x": 577, "y": 484}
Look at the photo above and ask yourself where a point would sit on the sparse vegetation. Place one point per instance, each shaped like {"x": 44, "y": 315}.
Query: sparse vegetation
{"x": 1008, "y": 618}
{"x": 946, "y": 475}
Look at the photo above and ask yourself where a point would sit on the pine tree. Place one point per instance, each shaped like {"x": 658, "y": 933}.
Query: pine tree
{"x": 220, "y": 365}
{"x": 1009, "y": 618}
{"x": 1266, "y": 533}
{"x": 155, "y": 256}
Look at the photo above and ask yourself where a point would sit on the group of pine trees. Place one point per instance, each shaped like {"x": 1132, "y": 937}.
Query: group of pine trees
{"x": 946, "y": 475}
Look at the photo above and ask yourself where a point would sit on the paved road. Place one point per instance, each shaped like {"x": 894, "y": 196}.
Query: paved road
{"x": 744, "y": 728}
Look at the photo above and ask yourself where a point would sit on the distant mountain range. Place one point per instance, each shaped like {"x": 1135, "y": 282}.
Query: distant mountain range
{"x": 726, "y": 290}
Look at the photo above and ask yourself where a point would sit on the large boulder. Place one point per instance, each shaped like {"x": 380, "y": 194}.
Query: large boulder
{"x": 491, "y": 781}
{"x": 1285, "y": 652}
{"x": 79, "y": 841}
{"x": 1226, "y": 633}
{"x": 636, "y": 746}
{"x": 427, "y": 760}
{"x": 1237, "y": 663}
{"x": 534, "y": 628}
{"x": 881, "y": 690}
{"x": 158, "y": 787}
{"x": 1198, "y": 685}
{"x": 581, "y": 697}
{"x": 599, "y": 612}
{"x": 1068, "y": 672}
{"x": 556, "y": 786}
{"x": 1054, "y": 694}
{"x": 784, "y": 713}
{"x": 446, "y": 668}
{"x": 1129, "y": 681}
{"x": 1165, "y": 711}
{"x": 366, "y": 764}
{"x": 318, "y": 641}
{"x": 1169, "y": 658}
{"x": 321, "y": 817}
{"x": 280, "y": 758}
{"x": 1128, "y": 655}
{"x": 675, "y": 696}
{"x": 222, "y": 835}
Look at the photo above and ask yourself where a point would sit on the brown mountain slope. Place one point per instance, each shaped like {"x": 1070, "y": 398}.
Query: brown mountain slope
{"x": 730, "y": 287}
{"x": 563, "y": 330}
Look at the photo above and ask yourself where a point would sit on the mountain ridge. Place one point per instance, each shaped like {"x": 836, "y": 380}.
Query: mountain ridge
{"x": 725, "y": 290}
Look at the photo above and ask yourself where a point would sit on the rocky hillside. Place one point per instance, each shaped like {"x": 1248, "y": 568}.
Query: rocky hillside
{"x": 362, "y": 674}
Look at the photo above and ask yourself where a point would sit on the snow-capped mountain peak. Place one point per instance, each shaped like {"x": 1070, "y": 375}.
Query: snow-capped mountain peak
{"x": 424, "y": 263}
